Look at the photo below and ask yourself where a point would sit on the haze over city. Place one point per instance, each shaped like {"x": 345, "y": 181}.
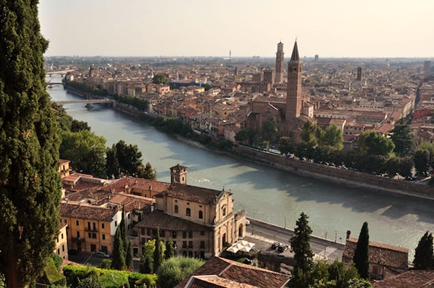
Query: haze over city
{"x": 337, "y": 28}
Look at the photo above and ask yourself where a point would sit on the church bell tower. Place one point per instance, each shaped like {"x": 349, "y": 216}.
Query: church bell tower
{"x": 293, "y": 93}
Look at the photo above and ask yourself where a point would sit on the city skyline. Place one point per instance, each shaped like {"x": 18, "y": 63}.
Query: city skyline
{"x": 246, "y": 28}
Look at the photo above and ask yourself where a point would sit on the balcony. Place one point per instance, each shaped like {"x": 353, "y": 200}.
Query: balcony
{"x": 89, "y": 229}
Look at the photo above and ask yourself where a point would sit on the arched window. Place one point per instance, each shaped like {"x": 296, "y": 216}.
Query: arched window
{"x": 188, "y": 212}
{"x": 176, "y": 209}
{"x": 200, "y": 214}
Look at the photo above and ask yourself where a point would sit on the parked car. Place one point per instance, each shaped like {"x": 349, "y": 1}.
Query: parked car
{"x": 282, "y": 248}
{"x": 73, "y": 252}
{"x": 275, "y": 245}
{"x": 102, "y": 254}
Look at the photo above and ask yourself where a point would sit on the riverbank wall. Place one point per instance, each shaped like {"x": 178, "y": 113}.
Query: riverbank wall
{"x": 313, "y": 170}
{"x": 340, "y": 176}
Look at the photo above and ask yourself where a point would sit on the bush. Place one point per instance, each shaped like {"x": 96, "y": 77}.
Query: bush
{"x": 105, "y": 264}
{"x": 57, "y": 260}
{"x": 114, "y": 279}
{"x": 51, "y": 275}
{"x": 107, "y": 278}
{"x": 175, "y": 269}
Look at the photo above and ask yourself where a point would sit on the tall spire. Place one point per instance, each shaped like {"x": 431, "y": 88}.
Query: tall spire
{"x": 294, "y": 56}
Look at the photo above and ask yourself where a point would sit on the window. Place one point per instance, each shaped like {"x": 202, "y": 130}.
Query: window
{"x": 129, "y": 216}
{"x": 184, "y": 244}
{"x": 176, "y": 209}
{"x": 63, "y": 247}
{"x": 90, "y": 235}
{"x": 77, "y": 223}
{"x": 190, "y": 244}
{"x": 224, "y": 210}
{"x": 66, "y": 221}
{"x": 116, "y": 223}
{"x": 200, "y": 214}
{"x": 78, "y": 234}
{"x": 61, "y": 235}
{"x": 102, "y": 225}
{"x": 184, "y": 234}
{"x": 103, "y": 236}
{"x": 202, "y": 244}
{"x": 188, "y": 212}
{"x": 174, "y": 234}
{"x": 202, "y": 233}
{"x": 58, "y": 251}
{"x": 190, "y": 234}
{"x": 93, "y": 235}
{"x": 148, "y": 231}
{"x": 163, "y": 233}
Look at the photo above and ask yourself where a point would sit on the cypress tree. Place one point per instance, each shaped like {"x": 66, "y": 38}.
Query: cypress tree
{"x": 361, "y": 255}
{"x": 424, "y": 253}
{"x": 158, "y": 252}
{"x": 118, "y": 257}
{"x": 129, "y": 257}
{"x": 300, "y": 244}
{"x": 29, "y": 144}
{"x": 170, "y": 250}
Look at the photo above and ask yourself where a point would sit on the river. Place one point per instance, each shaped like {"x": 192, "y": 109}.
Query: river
{"x": 266, "y": 193}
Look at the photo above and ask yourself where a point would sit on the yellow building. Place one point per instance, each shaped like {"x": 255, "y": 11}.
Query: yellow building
{"x": 64, "y": 168}
{"x": 62, "y": 243}
{"x": 90, "y": 228}
{"x": 200, "y": 221}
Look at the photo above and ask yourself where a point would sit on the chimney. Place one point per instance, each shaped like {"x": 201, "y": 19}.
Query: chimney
{"x": 348, "y": 234}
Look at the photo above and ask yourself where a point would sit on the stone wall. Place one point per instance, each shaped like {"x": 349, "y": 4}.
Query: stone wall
{"x": 340, "y": 176}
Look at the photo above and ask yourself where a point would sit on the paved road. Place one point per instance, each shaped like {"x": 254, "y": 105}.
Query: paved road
{"x": 264, "y": 234}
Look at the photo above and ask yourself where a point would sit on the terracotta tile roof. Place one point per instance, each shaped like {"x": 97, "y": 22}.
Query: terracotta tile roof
{"x": 240, "y": 273}
{"x": 87, "y": 212}
{"x": 158, "y": 219}
{"x": 412, "y": 278}
{"x": 381, "y": 254}
{"x": 215, "y": 282}
{"x": 138, "y": 184}
{"x": 194, "y": 193}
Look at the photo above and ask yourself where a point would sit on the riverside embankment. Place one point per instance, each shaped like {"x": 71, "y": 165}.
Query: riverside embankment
{"x": 307, "y": 169}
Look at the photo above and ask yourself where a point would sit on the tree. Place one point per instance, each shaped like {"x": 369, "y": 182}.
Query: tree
{"x": 245, "y": 135}
{"x": 402, "y": 137}
{"x": 170, "y": 250}
{"x": 300, "y": 244}
{"x": 361, "y": 254}
{"x": 286, "y": 146}
{"x": 175, "y": 270}
{"x": 309, "y": 132}
{"x": 146, "y": 261}
{"x": 118, "y": 255}
{"x": 423, "y": 256}
{"x": 332, "y": 137}
{"x": 158, "y": 251}
{"x": 85, "y": 150}
{"x": 29, "y": 144}
{"x": 77, "y": 126}
{"x": 160, "y": 78}
{"x": 270, "y": 129}
{"x": 147, "y": 172}
{"x": 129, "y": 256}
{"x": 374, "y": 143}
{"x": 421, "y": 162}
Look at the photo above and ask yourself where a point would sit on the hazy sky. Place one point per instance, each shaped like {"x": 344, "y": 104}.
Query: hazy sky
{"x": 329, "y": 28}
